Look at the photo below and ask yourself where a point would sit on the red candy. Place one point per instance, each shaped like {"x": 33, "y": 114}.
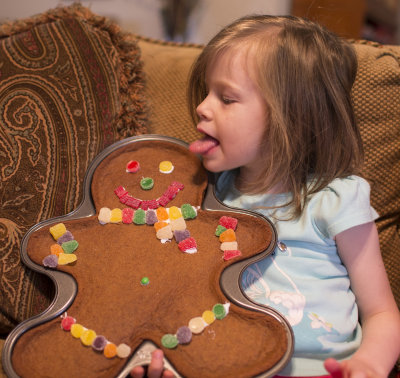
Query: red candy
{"x": 120, "y": 192}
{"x": 187, "y": 244}
{"x": 149, "y": 204}
{"x": 127, "y": 215}
{"x": 230, "y": 254}
{"x": 163, "y": 200}
{"x": 171, "y": 192}
{"x": 130, "y": 201}
{"x": 132, "y": 166}
{"x": 228, "y": 222}
{"x": 177, "y": 185}
{"x": 67, "y": 322}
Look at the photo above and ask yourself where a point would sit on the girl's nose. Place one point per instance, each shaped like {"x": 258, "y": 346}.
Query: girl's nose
{"x": 203, "y": 110}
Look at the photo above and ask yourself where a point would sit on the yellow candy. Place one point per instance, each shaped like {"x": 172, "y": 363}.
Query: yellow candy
{"x": 77, "y": 330}
{"x": 66, "y": 258}
{"x": 58, "y": 230}
{"x": 174, "y": 213}
{"x": 110, "y": 350}
{"x": 88, "y": 336}
{"x": 162, "y": 214}
{"x": 208, "y": 316}
{"x": 116, "y": 216}
{"x": 178, "y": 224}
{"x": 166, "y": 167}
{"x": 56, "y": 249}
{"x": 227, "y": 236}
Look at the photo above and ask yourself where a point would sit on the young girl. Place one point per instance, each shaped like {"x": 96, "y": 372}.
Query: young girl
{"x": 272, "y": 97}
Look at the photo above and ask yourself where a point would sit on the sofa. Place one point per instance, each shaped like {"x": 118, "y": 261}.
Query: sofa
{"x": 72, "y": 83}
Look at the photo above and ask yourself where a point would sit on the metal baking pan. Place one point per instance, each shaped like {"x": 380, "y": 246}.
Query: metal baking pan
{"x": 66, "y": 287}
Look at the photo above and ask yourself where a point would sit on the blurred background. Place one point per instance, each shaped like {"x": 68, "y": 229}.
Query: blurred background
{"x": 196, "y": 21}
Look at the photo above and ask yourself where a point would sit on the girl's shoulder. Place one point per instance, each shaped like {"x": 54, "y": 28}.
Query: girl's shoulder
{"x": 349, "y": 187}
{"x": 343, "y": 204}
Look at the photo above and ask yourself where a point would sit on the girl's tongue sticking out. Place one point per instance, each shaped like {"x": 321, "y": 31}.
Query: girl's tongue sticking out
{"x": 202, "y": 146}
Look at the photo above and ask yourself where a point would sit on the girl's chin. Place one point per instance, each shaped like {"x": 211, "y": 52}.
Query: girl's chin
{"x": 215, "y": 166}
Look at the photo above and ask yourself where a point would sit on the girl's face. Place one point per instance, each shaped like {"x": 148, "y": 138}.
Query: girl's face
{"x": 232, "y": 117}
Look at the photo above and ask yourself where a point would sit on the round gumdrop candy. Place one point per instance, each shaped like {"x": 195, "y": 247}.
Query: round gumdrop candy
{"x": 146, "y": 183}
{"x": 169, "y": 341}
{"x": 99, "y": 343}
{"x": 219, "y": 311}
{"x": 188, "y": 212}
{"x": 88, "y": 336}
{"x": 110, "y": 350}
{"x": 162, "y": 213}
{"x": 197, "y": 325}
{"x": 208, "y": 316}
{"x": 139, "y": 217}
{"x": 77, "y": 330}
{"x": 184, "y": 335}
{"x": 116, "y": 216}
{"x": 174, "y": 213}
{"x": 123, "y": 350}
{"x": 67, "y": 322}
{"x": 166, "y": 167}
{"x": 133, "y": 166}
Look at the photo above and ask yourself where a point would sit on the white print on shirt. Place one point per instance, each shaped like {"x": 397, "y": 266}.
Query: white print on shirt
{"x": 294, "y": 301}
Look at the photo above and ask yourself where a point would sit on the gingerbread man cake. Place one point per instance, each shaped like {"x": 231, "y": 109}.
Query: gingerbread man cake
{"x": 154, "y": 258}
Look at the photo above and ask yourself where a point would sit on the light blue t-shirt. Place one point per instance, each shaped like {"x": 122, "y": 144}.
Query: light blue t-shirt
{"x": 308, "y": 282}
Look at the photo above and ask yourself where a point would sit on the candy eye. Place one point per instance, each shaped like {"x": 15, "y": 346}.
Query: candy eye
{"x": 132, "y": 166}
{"x": 166, "y": 167}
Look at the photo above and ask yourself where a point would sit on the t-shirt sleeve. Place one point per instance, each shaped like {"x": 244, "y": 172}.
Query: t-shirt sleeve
{"x": 344, "y": 204}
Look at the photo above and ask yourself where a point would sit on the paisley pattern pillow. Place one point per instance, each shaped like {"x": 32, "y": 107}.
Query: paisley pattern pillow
{"x": 70, "y": 85}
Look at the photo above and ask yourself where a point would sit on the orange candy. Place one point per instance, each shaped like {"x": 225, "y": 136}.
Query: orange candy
{"x": 110, "y": 350}
{"x": 162, "y": 213}
{"x": 56, "y": 249}
{"x": 227, "y": 236}
{"x": 160, "y": 225}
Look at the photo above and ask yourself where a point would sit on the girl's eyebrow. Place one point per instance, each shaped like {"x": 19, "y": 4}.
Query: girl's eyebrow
{"x": 226, "y": 84}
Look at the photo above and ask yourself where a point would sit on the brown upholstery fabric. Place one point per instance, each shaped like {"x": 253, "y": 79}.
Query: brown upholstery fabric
{"x": 166, "y": 87}
{"x": 70, "y": 85}
{"x": 377, "y": 104}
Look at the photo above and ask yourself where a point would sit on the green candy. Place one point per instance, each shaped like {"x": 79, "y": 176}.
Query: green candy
{"x": 146, "y": 183}
{"x": 219, "y": 311}
{"x": 69, "y": 246}
{"x": 139, "y": 217}
{"x": 220, "y": 229}
{"x": 188, "y": 212}
{"x": 169, "y": 341}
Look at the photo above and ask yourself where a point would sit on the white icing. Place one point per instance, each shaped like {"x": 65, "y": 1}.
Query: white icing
{"x": 191, "y": 250}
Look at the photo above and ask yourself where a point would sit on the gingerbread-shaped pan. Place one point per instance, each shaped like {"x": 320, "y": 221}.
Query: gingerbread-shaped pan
{"x": 138, "y": 281}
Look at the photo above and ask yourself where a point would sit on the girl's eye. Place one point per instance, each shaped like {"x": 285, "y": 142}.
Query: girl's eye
{"x": 227, "y": 100}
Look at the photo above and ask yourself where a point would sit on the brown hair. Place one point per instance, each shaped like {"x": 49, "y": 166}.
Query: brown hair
{"x": 305, "y": 74}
